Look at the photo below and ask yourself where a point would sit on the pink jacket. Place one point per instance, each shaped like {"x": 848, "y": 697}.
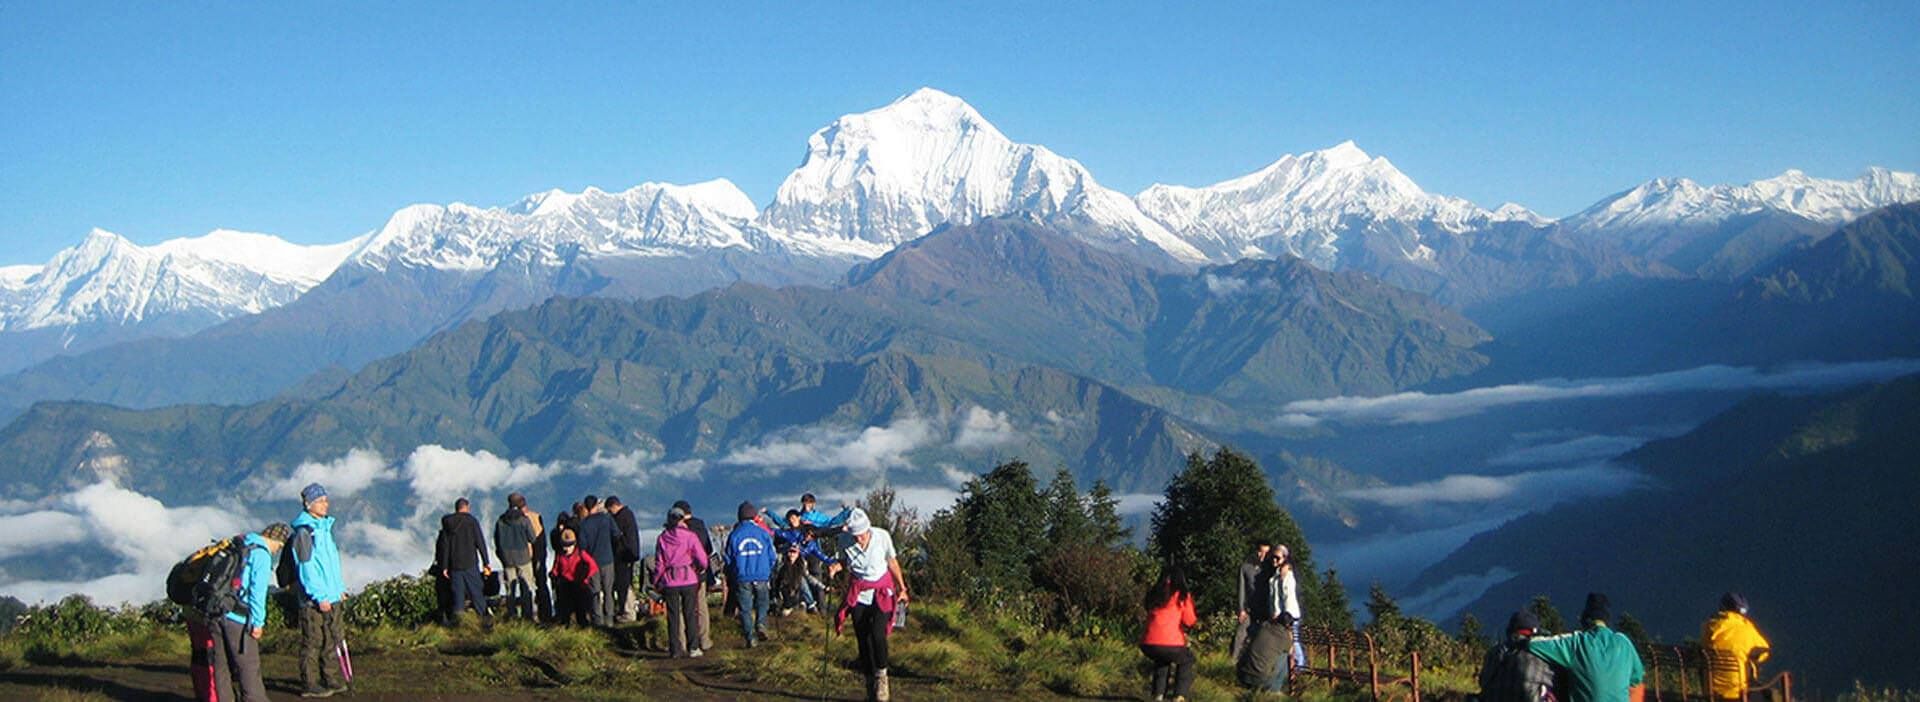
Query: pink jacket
{"x": 678, "y": 558}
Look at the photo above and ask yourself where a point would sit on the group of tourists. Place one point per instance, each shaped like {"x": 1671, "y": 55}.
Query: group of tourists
{"x": 1599, "y": 664}
{"x": 581, "y": 571}
{"x": 1593, "y": 664}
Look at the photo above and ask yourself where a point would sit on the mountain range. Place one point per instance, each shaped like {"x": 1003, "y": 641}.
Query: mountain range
{"x": 869, "y": 182}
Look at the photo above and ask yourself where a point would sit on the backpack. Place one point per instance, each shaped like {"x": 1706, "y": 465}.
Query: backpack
{"x": 208, "y": 582}
{"x": 286, "y": 572}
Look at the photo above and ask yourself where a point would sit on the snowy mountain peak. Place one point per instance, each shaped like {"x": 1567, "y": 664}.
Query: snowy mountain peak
{"x": 889, "y": 175}
{"x": 1664, "y": 202}
{"x": 1298, "y": 204}
{"x": 106, "y": 279}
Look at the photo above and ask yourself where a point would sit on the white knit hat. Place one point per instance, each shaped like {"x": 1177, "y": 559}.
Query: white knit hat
{"x": 857, "y": 522}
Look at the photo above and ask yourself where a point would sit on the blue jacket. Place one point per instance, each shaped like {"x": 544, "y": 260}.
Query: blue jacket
{"x": 254, "y": 581}
{"x": 821, "y": 520}
{"x": 318, "y": 558}
{"x": 809, "y": 548}
{"x": 750, "y": 553}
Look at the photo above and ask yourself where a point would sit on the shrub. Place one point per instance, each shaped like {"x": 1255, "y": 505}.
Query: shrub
{"x": 407, "y": 601}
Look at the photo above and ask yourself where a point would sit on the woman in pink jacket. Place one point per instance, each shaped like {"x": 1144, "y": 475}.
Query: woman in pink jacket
{"x": 678, "y": 562}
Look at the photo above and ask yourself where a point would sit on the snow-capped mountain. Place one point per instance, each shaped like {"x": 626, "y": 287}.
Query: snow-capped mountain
{"x": 652, "y": 219}
{"x": 891, "y": 175}
{"x": 1667, "y": 201}
{"x": 109, "y": 280}
{"x": 1301, "y": 205}
{"x": 1725, "y": 231}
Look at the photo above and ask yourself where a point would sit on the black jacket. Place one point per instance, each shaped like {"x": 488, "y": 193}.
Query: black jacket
{"x": 461, "y": 546}
{"x": 627, "y": 550}
{"x": 699, "y": 528}
{"x": 596, "y": 537}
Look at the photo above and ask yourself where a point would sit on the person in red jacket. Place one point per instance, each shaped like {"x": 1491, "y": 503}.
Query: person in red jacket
{"x": 1169, "y": 614}
{"x": 572, "y": 577}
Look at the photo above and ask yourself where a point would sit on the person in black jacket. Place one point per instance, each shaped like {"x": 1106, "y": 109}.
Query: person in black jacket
{"x": 1512, "y": 674}
{"x": 597, "y": 536}
{"x": 626, "y": 552}
{"x": 699, "y": 528}
{"x": 462, "y": 554}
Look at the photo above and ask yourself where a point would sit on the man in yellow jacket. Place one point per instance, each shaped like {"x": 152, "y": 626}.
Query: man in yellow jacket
{"x": 1734, "y": 635}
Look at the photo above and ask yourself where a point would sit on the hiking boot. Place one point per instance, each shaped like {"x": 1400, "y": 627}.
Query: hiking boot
{"x": 696, "y": 653}
{"x": 880, "y": 691}
{"x": 316, "y": 692}
{"x": 752, "y": 643}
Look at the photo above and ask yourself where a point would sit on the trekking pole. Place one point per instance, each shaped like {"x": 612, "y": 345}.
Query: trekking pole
{"x": 826, "y": 648}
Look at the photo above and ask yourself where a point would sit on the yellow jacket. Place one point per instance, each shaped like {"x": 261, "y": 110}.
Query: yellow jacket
{"x": 1735, "y": 634}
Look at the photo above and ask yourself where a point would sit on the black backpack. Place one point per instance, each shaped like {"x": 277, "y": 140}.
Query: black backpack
{"x": 209, "y": 581}
{"x": 286, "y": 572}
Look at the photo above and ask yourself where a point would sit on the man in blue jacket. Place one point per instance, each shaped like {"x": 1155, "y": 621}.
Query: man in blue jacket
{"x": 236, "y": 637}
{"x": 750, "y": 562}
{"x": 320, "y": 591}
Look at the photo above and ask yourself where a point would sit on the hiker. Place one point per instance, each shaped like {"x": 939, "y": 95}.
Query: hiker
{"x": 1291, "y": 592}
{"x": 799, "y": 535}
{"x": 678, "y": 562}
{"x": 597, "y": 535}
{"x": 542, "y": 591}
{"x": 1169, "y": 615}
{"x": 514, "y": 541}
{"x": 750, "y": 565}
{"x": 626, "y": 552}
{"x": 1730, "y": 632}
{"x": 463, "y": 559}
{"x": 793, "y": 584}
{"x": 701, "y": 615}
{"x": 1510, "y": 673}
{"x": 236, "y": 648}
{"x": 878, "y": 586}
{"x": 573, "y": 580}
{"x": 1248, "y": 581}
{"x": 1263, "y": 665}
{"x": 320, "y": 591}
{"x": 821, "y": 520}
{"x": 1601, "y": 664}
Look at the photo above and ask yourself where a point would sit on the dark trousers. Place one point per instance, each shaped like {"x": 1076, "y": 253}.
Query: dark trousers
{"x": 870, "y": 626}
{"x": 236, "y": 662}
{"x": 200, "y": 660}
{"x": 467, "y": 587}
{"x": 573, "y": 603}
{"x": 320, "y": 637}
{"x": 622, "y": 587}
{"x": 682, "y": 621}
{"x": 1175, "y": 659}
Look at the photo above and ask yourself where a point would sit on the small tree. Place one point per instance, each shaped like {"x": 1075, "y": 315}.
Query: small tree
{"x": 1067, "y": 523}
{"x": 1549, "y": 616}
{"x": 1334, "y": 610}
{"x": 1631, "y": 627}
{"x": 1214, "y": 511}
{"x": 1103, "y": 511}
{"x": 1381, "y": 607}
{"x": 1004, "y": 516}
{"x": 1470, "y": 631}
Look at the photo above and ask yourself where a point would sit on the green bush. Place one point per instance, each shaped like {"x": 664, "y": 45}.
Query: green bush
{"x": 407, "y": 601}
{"x": 76, "y": 628}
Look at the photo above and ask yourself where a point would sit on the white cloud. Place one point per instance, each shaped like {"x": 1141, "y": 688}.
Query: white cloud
{"x": 437, "y": 475}
{"x": 982, "y": 429}
{"x": 954, "y": 475}
{"x": 1529, "y": 490}
{"x": 871, "y": 450}
{"x": 1585, "y": 448}
{"x": 1137, "y": 503}
{"x": 343, "y": 477}
{"x": 1420, "y": 407}
{"x": 39, "y": 531}
{"x": 1225, "y": 286}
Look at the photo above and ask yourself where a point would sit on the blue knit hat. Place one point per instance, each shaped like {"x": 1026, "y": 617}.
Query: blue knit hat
{"x": 312, "y": 492}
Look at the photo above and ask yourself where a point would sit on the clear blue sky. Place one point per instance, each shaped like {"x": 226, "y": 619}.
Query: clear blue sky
{"x": 169, "y": 119}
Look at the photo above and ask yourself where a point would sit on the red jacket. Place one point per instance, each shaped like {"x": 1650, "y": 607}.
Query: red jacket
{"x": 577, "y": 567}
{"x": 1167, "y": 625}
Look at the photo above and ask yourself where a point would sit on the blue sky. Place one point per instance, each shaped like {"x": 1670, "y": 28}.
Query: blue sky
{"x": 158, "y": 120}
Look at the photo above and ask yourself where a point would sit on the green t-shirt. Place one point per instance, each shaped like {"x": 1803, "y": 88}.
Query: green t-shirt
{"x": 1600, "y": 662}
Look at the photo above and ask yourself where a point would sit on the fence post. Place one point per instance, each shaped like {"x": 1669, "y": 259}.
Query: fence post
{"x": 1373, "y": 668}
{"x": 1413, "y": 679}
